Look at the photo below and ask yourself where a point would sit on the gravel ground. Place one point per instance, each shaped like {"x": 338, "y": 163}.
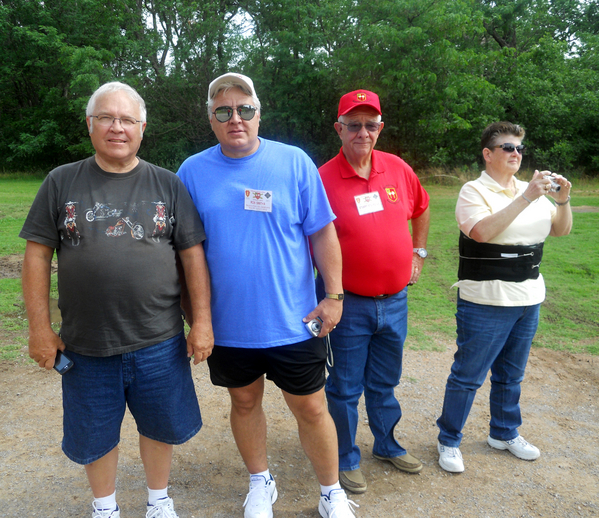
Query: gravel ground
{"x": 208, "y": 478}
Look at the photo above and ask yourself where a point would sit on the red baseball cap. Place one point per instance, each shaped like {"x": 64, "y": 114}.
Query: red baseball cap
{"x": 356, "y": 99}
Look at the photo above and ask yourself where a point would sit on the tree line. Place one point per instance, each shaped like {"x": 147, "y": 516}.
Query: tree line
{"x": 443, "y": 69}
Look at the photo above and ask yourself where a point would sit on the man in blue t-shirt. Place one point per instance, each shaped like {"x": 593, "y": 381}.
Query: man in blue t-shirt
{"x": 262, "y": 204}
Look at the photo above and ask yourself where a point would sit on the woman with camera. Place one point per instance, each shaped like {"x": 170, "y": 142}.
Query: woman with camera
{"x": 503, "y": 223}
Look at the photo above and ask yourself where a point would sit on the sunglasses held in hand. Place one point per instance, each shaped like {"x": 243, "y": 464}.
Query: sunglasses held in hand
{"x": 224, "y": 113}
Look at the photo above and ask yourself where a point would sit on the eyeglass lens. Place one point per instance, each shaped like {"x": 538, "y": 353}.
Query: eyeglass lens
{"x": 354, "y": 127}
{"x": 108, "y": 120}
{"x": 245, "y": 112}
{"x": 509, "y": 148}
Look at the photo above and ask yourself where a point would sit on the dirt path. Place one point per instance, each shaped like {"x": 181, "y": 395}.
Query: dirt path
{"x": 561, "y": 417}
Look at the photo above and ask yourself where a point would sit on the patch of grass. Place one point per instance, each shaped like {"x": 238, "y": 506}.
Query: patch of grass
{"x": 13, "y": 322}
{"x": 570, "y": 267}
{"x": 16, "y": 195}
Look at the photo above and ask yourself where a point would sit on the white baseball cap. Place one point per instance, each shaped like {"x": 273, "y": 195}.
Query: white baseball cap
{"x": 231, "y": 77}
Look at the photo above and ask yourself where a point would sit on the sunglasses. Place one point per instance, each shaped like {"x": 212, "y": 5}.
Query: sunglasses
{"x": 224, "y": 113}
{"x": 510, "y": 148}
{"x": 354, "y": 127}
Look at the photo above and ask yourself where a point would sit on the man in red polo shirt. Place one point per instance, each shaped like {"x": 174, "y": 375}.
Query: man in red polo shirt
{"x": 374, "y": 195}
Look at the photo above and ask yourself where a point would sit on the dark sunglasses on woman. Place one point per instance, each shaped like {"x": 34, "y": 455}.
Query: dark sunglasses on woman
{"x": 510, "y": 148}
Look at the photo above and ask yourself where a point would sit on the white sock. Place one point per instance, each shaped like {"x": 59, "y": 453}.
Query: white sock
{"x": 326, "y": 490}
{"x": 265, "y": 474}
{"x": 156, "y": 494}
{"x": 107, "y": 503}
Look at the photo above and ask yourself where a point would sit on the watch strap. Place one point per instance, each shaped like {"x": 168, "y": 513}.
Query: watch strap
{"x": 336, "y": 296}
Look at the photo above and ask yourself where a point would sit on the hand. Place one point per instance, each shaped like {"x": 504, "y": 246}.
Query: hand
{"x": 43, "y": 346}
{"x": 538, "y": 186}
{"x": 200, "y": 341}
{"x": 562, "y": 195}
{"x": 417, "y": 265}
{"x": 329, "y": 311}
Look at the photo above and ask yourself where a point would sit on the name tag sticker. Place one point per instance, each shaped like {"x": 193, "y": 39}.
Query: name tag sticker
{"x": 260, "y": 201}
{"x": 368, "y": 203}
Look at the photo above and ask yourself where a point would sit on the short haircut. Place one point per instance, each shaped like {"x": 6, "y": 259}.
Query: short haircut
{"x": 225, "y": 87}
{"x": 115, "y": 86}
{"x": 493, "y": 131}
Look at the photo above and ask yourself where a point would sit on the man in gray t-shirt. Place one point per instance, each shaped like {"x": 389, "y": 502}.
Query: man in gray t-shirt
{"x": 123, "y": 231}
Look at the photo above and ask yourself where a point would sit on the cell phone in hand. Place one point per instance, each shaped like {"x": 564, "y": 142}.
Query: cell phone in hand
{"x": 62, "y": 363}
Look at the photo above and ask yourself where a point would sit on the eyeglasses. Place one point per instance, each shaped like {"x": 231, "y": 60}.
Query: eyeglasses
{"x": 354, "y": 127}
{"x": 108, "y": 120}
{"x": 245, "y": 112}
{"x": 510, "y": 148}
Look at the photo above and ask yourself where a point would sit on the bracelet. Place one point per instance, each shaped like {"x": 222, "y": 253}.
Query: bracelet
{"x": 529, "y": 202}
{"x": 564, "y": 202}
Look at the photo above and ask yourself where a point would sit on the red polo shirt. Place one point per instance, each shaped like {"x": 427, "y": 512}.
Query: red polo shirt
{"x": 376, "y": 247}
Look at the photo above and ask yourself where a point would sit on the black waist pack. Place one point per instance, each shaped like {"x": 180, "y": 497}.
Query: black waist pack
{"x": 489, "y": 262}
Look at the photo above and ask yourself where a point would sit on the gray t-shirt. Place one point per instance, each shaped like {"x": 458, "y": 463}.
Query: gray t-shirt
{"x": 116, "y": 236}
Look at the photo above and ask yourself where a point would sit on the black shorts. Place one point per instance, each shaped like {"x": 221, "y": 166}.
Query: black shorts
{"x": 298, "y": 369}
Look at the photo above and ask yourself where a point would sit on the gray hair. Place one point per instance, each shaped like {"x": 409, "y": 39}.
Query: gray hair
{"x": 225, "y": 87}
{"x": 108, "y": 88}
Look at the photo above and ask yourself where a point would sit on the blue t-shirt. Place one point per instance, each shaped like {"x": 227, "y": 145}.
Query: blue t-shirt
{"x": 258, "y": 212}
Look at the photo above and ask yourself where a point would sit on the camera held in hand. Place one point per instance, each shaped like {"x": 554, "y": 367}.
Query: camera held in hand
{"x": 314, "y": 326}
{"x": 555, "y": 187}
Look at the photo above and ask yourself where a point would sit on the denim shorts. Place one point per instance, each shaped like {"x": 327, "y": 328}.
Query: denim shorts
{"x": 154, "y": 382}
{"x": 298, "y": 369}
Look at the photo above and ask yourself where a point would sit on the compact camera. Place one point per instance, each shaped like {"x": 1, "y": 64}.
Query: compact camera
{"x": 555, "y": 187}
{"x": 314, "y": 326}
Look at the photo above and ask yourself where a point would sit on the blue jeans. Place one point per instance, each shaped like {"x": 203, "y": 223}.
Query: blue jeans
{"x": 154, "y": 382}
{"x": 367, "y": 354}
{"x": 489, "y": 337}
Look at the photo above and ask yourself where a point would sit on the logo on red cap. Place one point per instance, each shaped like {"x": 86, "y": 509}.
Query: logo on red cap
{"x": 361, "y": 96}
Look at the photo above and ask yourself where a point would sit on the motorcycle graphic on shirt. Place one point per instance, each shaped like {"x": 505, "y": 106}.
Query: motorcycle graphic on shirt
{"x": 120, "y": 229}
{"x": 70, "y": 223}
{"x": 102, "y": 211}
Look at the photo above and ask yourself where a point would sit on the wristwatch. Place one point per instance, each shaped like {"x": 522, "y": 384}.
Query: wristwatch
{"x": 421, "y": 252}
{"x": 336, "y": 296}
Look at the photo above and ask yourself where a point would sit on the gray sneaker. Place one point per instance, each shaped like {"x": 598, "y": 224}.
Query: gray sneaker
{"x": 518, "y": 446}
{"x": 353, "y": 481}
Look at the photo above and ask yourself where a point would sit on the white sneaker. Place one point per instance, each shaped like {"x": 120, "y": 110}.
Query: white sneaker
{"x": 519, "y": 447}
{"x": 450, "y": 459}
{"x": 336, "y": 505}
{"x": 105, "y": 513}
{"x": 263, "y": 493}
{"x": 163, "y": 508}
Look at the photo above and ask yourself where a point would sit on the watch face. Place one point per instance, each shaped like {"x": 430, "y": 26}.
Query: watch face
{"x": 422, "y": 252}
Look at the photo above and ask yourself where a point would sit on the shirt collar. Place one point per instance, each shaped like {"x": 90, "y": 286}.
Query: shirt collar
{"x": 493, "y": 186}
{"x": 347, "y": 171}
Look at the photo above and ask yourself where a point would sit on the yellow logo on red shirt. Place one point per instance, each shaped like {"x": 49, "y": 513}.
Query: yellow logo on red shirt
{"x": 391, "y": 194}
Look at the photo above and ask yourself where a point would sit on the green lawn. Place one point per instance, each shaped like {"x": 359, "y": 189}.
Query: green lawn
{"x": 569, "y": 316}
{"x": 570, "y": 266}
